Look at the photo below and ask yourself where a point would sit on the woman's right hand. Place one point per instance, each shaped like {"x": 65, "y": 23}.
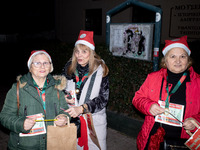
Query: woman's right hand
{"x": 155, "y": 109}
{"x": 75, "y": 111}
{"x": 29, "y": 123}
{"x": 69, "y": 101}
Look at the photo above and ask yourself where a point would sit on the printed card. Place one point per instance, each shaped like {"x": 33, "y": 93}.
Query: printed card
{"x": 166, "y": 118}
{"x": 38, "y": 128}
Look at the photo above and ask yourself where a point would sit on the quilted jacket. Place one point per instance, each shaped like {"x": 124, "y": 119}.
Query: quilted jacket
{"x": 149, "y": 93}
{"x": 30, "y": 104}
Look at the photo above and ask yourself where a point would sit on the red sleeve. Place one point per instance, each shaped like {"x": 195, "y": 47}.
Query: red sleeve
{"x": 142, "y": 100}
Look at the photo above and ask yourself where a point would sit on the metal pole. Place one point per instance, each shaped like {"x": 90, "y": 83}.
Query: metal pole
{"x": 157, "y": 31}
{"x": 157, "y": 41}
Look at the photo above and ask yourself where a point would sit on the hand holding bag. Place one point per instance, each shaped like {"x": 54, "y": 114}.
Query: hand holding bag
{"x": 62, "y": 138}
{"x": 193, "y": 143}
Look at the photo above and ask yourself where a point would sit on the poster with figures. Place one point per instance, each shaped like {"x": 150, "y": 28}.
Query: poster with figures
{"x": 131, "y": 40}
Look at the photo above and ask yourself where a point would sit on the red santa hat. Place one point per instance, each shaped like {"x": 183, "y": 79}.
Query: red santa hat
{"x": 86, "y": 38}
{"x": 35, "y": 52}
{"x": 179, "y": 42}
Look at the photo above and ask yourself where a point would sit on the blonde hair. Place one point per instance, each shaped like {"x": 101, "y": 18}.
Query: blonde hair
{"x": 94, "y": 61}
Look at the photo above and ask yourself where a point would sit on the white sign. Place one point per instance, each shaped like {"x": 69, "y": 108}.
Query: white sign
{"x": 185, "y": 20}
{"x": 131, "y": 40}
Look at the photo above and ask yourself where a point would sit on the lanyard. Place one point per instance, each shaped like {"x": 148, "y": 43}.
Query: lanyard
{"x": 79, "y": 82}
{"x": 41, "y": 92}
{"x": 174, "y": 90}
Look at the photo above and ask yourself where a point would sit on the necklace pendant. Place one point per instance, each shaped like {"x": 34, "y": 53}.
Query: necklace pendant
{"x": 77, "y": 91}
{"x": 40, "y": 89}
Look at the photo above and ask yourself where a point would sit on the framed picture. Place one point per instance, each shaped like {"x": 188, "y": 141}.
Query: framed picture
{"x": 131, "y": 40}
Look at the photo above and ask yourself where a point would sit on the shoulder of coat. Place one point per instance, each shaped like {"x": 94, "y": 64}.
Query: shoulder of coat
{"x": 63, "y": 82}
{"x": 21, "y": 85}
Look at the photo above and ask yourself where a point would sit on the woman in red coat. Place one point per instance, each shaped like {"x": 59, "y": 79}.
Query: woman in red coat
{"x": 174, "y": 89}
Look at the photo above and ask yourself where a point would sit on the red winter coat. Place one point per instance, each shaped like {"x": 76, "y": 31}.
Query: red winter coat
{"x": 149, "y": 94}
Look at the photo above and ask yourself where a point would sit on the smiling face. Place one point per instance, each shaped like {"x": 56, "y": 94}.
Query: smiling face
{"x": 176, "y": 60}
{"x": 82, "y": 54}
{"x": 40, "y": 72}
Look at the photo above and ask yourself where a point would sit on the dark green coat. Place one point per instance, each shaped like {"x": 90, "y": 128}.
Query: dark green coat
{"x": 30, "y": 102}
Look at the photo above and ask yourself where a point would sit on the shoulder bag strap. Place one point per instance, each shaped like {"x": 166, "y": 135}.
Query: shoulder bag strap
{"x": 161, "y": 89}
{"x": 18, "y": 97}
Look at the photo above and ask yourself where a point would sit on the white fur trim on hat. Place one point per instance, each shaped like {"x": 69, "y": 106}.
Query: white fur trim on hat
{"x": 176, "y": 45}
{"x": 85, "y": 43}
{"x": 35, "y": 53}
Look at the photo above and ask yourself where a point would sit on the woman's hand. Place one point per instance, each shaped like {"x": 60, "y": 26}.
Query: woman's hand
{"x": 61, "y": 121}
{"x": 188, "y": 125}
{"x": 29, "y": 123}
{"x": 69, "y": 101}
{"x": 75, "y": 111}
{"x": 155, "y": 109}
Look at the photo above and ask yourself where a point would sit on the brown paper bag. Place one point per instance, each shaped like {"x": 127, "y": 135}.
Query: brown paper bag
{"x": 62, "y": 138}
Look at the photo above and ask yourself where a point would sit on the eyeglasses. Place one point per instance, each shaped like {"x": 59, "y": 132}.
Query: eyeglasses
{"x": 39, "y": 64}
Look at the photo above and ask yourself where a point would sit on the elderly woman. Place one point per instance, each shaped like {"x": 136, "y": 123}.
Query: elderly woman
{"x": 88, "y": 84}
{"x": 40, "y": 97}
{"x": 173, "y": 90}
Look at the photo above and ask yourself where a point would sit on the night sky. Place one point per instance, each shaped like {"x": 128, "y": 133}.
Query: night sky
{"x": 24, "y": 19}
{"x": 26, "y": 16}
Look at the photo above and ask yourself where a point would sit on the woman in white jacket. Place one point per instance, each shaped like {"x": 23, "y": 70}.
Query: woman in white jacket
{"x": 88, "y": 84}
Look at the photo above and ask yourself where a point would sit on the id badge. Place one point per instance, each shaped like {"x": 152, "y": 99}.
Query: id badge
{"x": 176, "y": 110}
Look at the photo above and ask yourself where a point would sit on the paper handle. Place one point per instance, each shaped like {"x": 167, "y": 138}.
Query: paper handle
{"x": 63, "y": 115}
{"x": 196, "y": 123}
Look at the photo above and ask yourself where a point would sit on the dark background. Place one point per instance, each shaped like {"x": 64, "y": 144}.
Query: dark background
{"x": 26, "y": 17}
{"x": 24, "y": 26}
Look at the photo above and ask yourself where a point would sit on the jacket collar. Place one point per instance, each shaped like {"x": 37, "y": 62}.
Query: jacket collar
{"x": 193, "y": 75}
{"x": 58, "y": 81}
